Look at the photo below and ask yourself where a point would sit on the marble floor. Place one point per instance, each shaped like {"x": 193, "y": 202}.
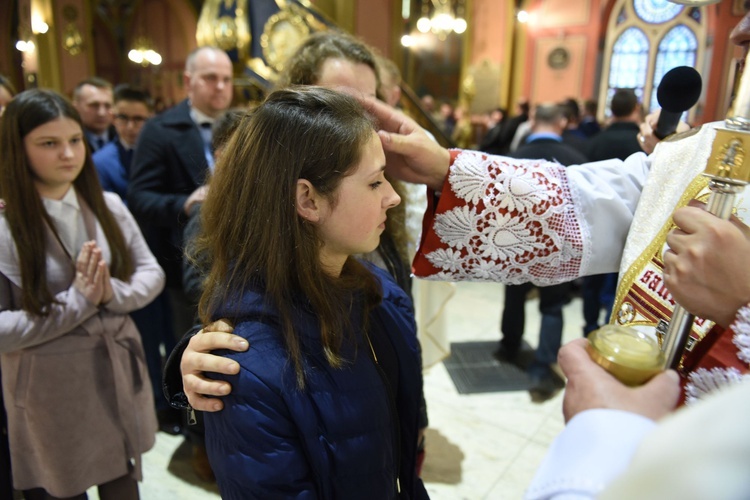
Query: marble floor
{"x": 483, "y": 446}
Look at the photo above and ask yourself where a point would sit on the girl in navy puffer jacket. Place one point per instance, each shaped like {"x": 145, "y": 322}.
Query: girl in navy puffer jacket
{"x": 326, "y": 401}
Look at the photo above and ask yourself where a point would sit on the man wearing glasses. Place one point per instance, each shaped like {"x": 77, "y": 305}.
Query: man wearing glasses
{"x": 131, "y": 110}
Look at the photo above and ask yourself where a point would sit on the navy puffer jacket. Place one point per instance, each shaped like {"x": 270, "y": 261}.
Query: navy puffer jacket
{"x": 336, "y": 439}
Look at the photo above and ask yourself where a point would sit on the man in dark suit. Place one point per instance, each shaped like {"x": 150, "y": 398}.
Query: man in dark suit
{"x": 495, "y": 124}
{"x": 618, "y": 140}
{"x": 93, "y": 99}
{"x": 572, "y": 135}
{"x": 171, "y": 163}
{"x": 544, "y": 143}
{"x": 589, "y": 125}
{"x": 510, "y": 127}
{"x": 173, "y": 157}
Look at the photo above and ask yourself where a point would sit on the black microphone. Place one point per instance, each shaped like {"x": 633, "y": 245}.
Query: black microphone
{"x": 678, "y": 91}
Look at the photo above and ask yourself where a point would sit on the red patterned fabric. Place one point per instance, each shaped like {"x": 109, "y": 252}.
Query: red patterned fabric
{"x": 501, "y": 219}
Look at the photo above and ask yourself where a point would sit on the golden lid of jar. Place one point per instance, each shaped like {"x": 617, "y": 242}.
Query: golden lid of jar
{"x": 629, "y": 355}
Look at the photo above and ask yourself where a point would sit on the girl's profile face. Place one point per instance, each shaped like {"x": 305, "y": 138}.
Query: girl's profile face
{"x": 56, "y": 153}
{"x": 356, "y": 220}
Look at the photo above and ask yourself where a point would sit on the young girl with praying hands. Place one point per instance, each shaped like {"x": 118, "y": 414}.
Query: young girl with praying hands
{"x": 73, "y": 264}
{"x": 326, "y": 403}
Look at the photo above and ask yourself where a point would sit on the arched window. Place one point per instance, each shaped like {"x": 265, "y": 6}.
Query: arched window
{"x": 645, "y": 39}
{"x": 679, "y": 47}
{"x": 629, "y": 64}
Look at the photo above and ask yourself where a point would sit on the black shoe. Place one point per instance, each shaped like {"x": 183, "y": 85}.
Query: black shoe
{"x": 544, "y": 386}
{"x": 505, "y": 355}
{"x": 170, "y": 421}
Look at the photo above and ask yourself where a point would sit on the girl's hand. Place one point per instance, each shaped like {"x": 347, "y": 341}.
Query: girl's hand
{"x": 89, "y": 273}
{"x": 107, "y": 292}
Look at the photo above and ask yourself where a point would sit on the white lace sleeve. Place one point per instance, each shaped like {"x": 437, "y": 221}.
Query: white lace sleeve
{"x": 513, "y": 222}
{"x": 517, "y": 221}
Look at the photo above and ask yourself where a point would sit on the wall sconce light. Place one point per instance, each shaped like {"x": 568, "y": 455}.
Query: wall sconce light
{"x": 38, "y": 26}
{"x": 72, "y": 38}
{"x": 25, "y": 41}
{"x": 143, "y": 54}
{"x": 26, "y": 46}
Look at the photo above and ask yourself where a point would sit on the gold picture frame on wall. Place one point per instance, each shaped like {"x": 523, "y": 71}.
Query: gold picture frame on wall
{"x": 228, "y": 31}
{"x": 558, "y": 58}
{"x": 281, "y": 36}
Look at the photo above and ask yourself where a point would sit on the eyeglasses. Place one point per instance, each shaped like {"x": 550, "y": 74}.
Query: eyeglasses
{"x": 136, "y": 120}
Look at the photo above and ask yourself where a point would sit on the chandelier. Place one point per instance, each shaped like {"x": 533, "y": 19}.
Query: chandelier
{"x": 443, "y": 20}
{"x": 143, "y": 54}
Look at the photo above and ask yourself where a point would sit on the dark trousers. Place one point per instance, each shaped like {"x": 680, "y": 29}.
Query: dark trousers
{"x": 6, "y": 489}
{"x": 155, "y": 325}
{"x": 598, "y": 293}
{"x": 551, "y": 302}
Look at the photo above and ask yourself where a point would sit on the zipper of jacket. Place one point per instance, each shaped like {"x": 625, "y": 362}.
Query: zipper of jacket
{"x": 394, "y": 416}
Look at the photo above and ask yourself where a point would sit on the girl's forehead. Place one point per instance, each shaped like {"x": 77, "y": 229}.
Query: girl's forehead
{"x": 59, "y": 125}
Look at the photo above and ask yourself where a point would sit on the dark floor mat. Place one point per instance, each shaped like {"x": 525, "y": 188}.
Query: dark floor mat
{"x": 474, "y": 368}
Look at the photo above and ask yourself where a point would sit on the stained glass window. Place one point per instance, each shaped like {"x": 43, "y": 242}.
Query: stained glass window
{"x": 629, "y": 63}
{"x": 656, "y": 11}
{"x": 679, "y": 47}
{"x": 650, "y": 38}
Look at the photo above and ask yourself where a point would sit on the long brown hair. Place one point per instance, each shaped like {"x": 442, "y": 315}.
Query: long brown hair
{"x": 24, "y": 210}
{"x": 251, "y": 230}
{"x": 303, "y": 68}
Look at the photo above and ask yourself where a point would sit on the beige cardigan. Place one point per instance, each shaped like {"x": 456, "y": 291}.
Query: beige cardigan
{"x": 75, "y": 382}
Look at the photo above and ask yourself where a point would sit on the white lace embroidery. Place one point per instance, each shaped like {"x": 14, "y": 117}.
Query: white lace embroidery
{"x": 741, "y": 329}
{"x": 703, "y": 382}
{"x": 519, "y": 223}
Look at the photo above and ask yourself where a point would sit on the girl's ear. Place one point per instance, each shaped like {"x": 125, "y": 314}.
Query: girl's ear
{"x": 308, "y": 201}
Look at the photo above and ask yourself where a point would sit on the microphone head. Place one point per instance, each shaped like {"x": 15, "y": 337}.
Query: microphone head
{"x": 679, "y": 89}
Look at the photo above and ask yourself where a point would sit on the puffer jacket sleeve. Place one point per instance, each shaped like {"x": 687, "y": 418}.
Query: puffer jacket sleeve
{"x": 253, "y": 444}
